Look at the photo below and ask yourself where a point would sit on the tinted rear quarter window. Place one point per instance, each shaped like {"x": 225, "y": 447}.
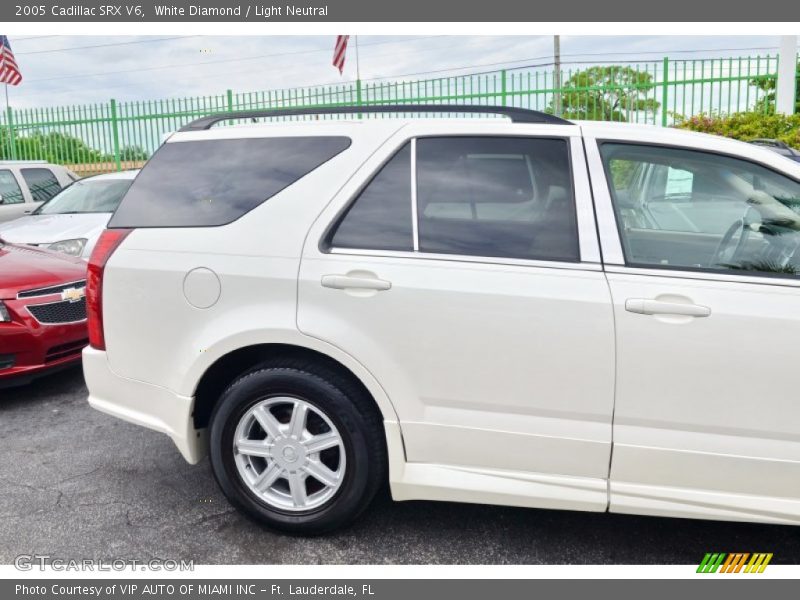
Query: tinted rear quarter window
{"x": 214, "y": 182}
{"x": 380, "y": 218}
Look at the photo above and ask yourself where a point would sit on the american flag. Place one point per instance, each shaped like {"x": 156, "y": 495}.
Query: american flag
{"x": 9, "y": 71}
{"x": 339, "y": 51}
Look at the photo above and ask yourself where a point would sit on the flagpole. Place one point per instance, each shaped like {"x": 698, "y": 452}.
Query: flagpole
{"x": 12, "y": 146}
{"x": 8, "y": 122}
{"x": 358, "y": 67}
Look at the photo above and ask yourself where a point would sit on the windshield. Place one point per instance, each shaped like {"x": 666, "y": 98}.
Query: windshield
{"x": 87, "y": 196}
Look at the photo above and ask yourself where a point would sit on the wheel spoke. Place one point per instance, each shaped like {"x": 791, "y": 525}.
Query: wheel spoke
{"x": 267, "y": 477}
{"x": 298, "y": 434}
{"x": 298, "y": 423}
{"x": 297, "y": 486}
{"x": 322, "y": 473}
{"x": 254, "y": 448}
{"x": 268, "y": 422}
{"x": 321, "y": 442}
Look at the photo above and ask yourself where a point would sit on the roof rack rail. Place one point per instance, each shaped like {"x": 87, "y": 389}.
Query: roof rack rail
{"x": 517, "y": 115}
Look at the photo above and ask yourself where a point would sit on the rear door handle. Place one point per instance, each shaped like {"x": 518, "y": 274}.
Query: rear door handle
{"x": 349, "y": 282}
{"x": 644, "y": 306}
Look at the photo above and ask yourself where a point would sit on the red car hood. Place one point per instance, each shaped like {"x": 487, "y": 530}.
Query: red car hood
{"x": 24, "y": 268}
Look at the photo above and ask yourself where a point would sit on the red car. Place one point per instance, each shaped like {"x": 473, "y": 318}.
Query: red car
{"x": 42, "y": 312}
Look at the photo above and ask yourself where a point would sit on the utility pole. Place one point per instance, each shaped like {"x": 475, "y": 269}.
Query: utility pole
{"x": 557, "y": 75}
{"x": 787, "y": 75}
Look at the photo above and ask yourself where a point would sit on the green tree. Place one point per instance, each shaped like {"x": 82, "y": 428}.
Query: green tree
{"x": 747, "y": 126}
{"x": 610, "y": 93}
{"x": 54, "y": 146}
{"x": 768, "y": 83}
{"x": 133, "y": 153}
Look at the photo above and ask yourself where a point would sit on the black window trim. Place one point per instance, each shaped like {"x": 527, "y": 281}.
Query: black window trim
{"x": 325, "y": 246}
{"x": 677, "y": 268}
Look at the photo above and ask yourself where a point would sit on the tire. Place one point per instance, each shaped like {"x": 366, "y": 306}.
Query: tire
{"x": 334, "y": 408}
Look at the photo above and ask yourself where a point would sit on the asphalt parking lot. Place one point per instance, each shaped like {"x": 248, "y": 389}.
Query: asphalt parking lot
{"x": 75, "y": 483}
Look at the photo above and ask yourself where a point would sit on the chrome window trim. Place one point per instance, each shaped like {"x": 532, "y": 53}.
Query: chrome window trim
{"x": 462, "y": 258}
{"x": 606, "y": 219}
{"x": 588, "y": 243}
{"x": 414, "y": 207}
{"x": 702, "y": 275}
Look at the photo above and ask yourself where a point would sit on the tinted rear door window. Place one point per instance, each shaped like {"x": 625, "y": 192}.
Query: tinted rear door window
{"x": 501, "y": 197}
{"x": 214, "y": 182}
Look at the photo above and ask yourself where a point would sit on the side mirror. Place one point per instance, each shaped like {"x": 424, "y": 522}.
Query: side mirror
{"x": 1, "y": 198}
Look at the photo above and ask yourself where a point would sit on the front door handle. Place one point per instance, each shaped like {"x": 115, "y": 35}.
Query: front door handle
{"x": 350, "y": 282}
{"x": 644, "y": 306}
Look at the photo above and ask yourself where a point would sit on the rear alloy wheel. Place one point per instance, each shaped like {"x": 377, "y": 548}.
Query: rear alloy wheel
{"x": 289, "y": 454}
{"x": 297, "y": 447}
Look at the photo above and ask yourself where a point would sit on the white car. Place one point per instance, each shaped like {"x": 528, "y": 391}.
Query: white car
{"x": 522, "y": 311}
{"x": 71, "y": 221}
{"x": 25, "y": 184}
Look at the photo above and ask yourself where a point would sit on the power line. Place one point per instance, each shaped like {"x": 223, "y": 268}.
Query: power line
{"x": 211, "y": 62}
{"x": 33, "y": 37}
{"x": 513, "y": 64}
{"x": 300, "y": 52}
{"x": 563, "y": 62}
{"x": 177, "y": 37}
{"x": 227, "y": 72}
{"x": 666, "y": 52}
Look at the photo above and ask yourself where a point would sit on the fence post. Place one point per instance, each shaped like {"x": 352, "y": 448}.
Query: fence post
{"x": 664, "y": 90}
{"x": 503, "y": 91}
{"x": 358, "y": 95}
{"x": 229, "y": 96}
{"x": 12, "y": 139}
{"x": 115, "y": 134}
{"x": 786, "y": 86}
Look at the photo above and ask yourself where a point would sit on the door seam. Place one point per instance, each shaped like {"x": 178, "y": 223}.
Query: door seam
{"x": 613, "y": 322}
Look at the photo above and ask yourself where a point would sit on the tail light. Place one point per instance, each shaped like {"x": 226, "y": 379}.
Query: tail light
{"x": 109, "y": 240}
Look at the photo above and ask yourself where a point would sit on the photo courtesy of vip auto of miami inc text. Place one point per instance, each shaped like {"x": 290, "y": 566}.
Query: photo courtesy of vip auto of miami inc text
{"x": 373, "y": 300}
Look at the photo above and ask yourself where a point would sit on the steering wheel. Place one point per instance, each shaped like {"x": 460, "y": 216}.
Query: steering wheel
{"x": 742, "y": 224}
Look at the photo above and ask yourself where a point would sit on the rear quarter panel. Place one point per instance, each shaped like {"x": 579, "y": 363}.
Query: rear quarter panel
{"x": 153, "y": 334}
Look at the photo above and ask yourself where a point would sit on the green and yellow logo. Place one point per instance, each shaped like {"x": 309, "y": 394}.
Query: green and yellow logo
{"x": 738, "y": 562}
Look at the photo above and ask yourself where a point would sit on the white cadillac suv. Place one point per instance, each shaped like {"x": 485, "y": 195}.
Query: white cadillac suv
{"x": 518, "y": 310}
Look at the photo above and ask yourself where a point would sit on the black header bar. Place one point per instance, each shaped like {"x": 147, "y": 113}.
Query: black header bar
{"x": 462, "y": 11}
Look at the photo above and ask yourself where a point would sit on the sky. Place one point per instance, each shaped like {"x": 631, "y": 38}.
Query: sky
{"x": 69, "y": 70}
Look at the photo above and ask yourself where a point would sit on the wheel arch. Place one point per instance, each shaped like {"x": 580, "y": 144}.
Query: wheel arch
{"x": 228, "y": 366}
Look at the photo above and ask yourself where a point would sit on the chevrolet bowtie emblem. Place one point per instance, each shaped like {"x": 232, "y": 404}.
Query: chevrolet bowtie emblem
{"x": 73, "y": 294}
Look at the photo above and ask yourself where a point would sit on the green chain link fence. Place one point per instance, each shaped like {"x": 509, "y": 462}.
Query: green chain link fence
{"x": 94, "y": 138}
